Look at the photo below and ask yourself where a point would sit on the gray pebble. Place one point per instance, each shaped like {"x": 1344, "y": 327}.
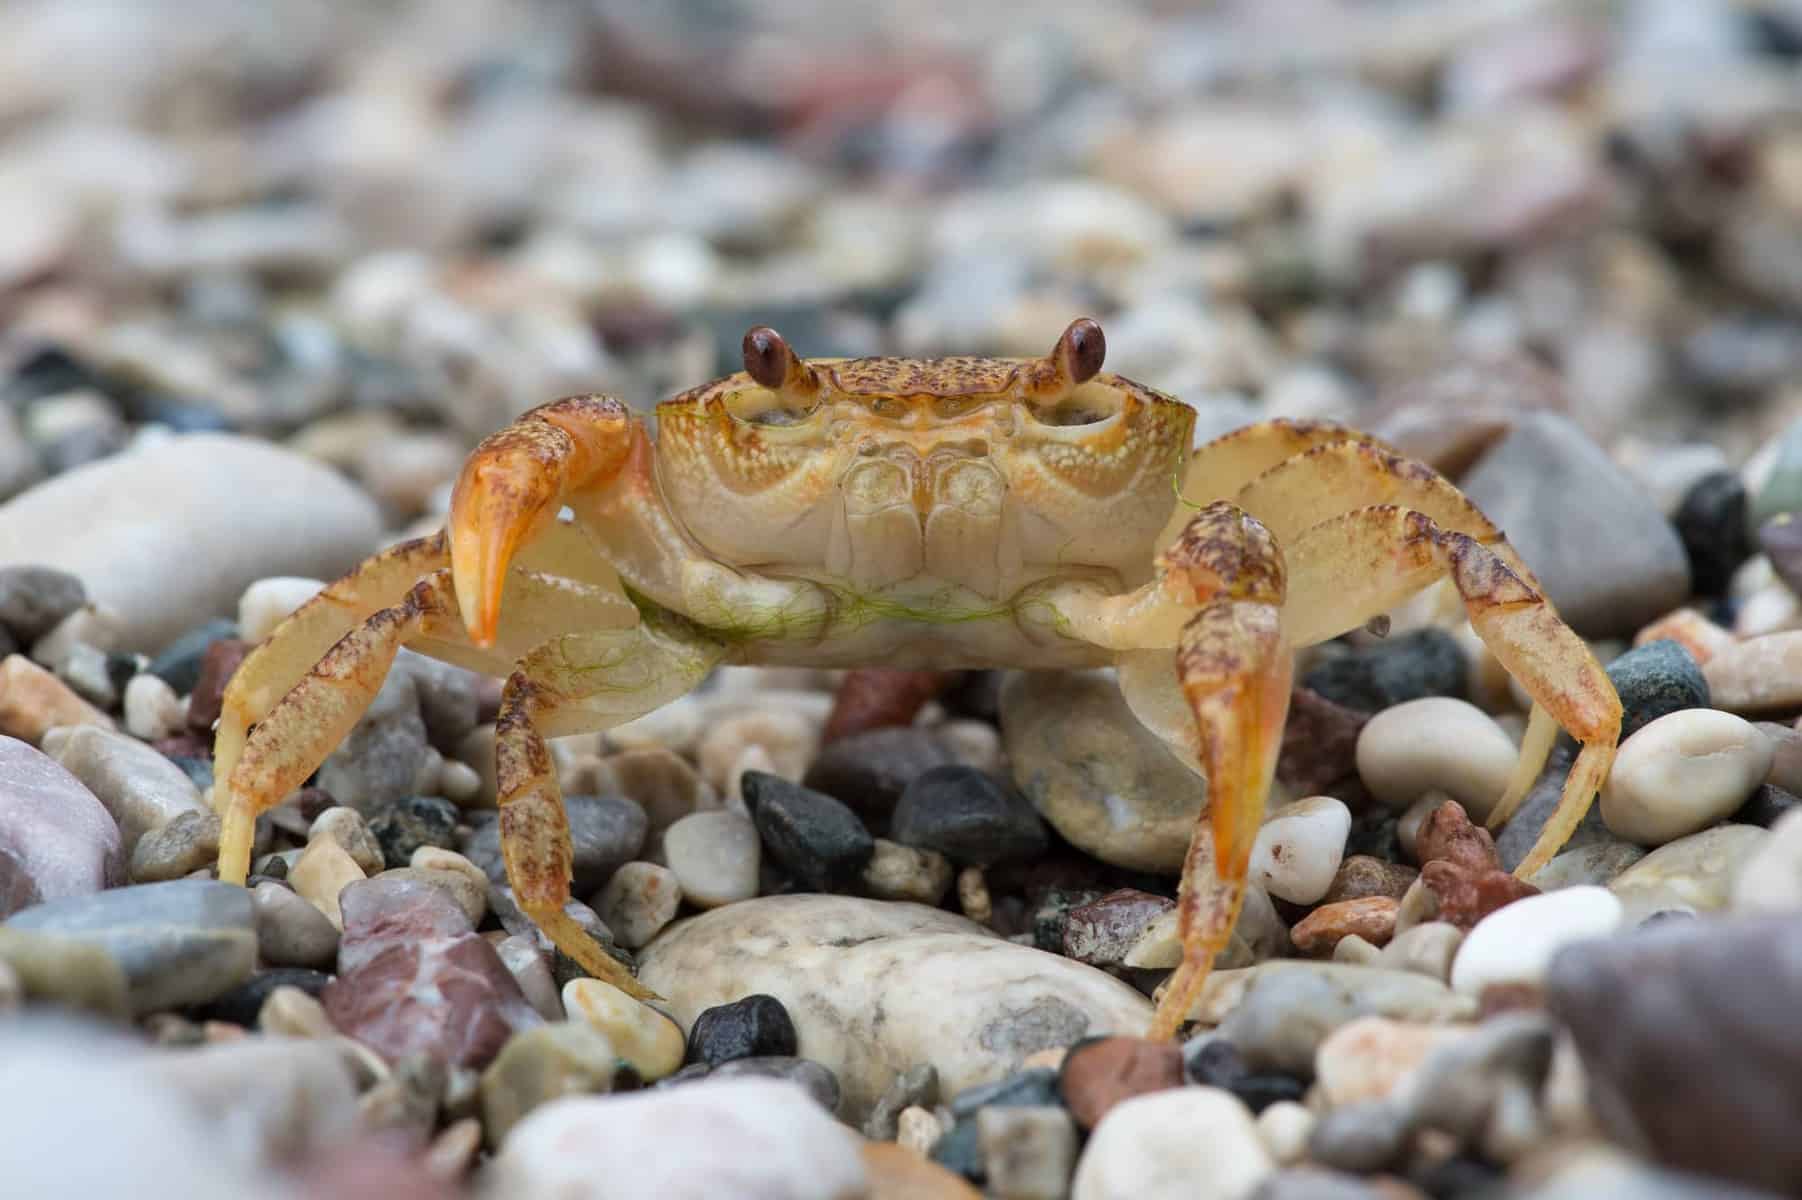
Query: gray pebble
{"x": 290, "y": 931}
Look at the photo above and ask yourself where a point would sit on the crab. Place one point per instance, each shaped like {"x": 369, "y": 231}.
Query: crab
{"x": 929, "y": 513}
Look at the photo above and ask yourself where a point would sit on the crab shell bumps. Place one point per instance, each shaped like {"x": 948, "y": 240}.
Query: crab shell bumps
{"x": 954, "y": 512}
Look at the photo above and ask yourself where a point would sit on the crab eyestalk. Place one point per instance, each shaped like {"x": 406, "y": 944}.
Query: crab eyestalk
{"x": 1075, "y": 360}
{"x": 773, "y": 364}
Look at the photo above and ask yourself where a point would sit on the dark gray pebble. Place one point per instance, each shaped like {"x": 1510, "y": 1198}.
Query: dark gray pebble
{"x": 816, "y": 839}
{"x": 868, "y": 771}
{"x": 1408, "y": 666}
{"x": 756, "y": 1026}
{"x": 968, "y": 816}
{"x": 179, "y": 663}
{"x": 1655, "y": 679}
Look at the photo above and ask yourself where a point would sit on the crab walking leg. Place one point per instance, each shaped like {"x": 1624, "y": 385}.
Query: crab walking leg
{"x": 1350, "y": 568}
{"x": 1234, "y": 669}
{"x": 576, "y": 683}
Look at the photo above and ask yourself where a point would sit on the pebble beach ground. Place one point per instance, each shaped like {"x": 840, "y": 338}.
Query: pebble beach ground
{"x": 267, "y": 272}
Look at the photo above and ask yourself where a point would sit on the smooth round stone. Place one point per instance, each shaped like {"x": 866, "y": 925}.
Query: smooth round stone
{"x": 715, "y": 856}
{"x": 1277, "y": 1013}
{"x": 897, "y": 872}
{"x": 268, "y": 602}
{"x": 1691, "y": 874}
{"x": 347, "y": 827}
{"x": 870, "y": 770}
{"x": 753, "y": 1027}
{"x": 1026, "y": 1151}
{"x": 1436, "y": 744}
{"x": 788, "y": 737}
{"x": 56, "y": 838}
{"x": 1596, "y": 863}
{"x": 152, "y": 709}
{"x": 34, "y": 599}
{"x": 662, "y": 784}
{"x": 1515, "y": 944}
{"x": 180, "y": 526}
{"x": 870, "y": 984}
{"x": 1682, "y": 773}
{"x": 1189, "y": 1143}
{"x": 536, "y": 1066}
{"x": 816, "y": 839}
{"x": 1711, "y": 520}
{"x": 185, "y": 845}
{"x": 641, "y": 1035}
{"x": 967, "y": 816}
{"x": 638, "y": 902}
{"x": 1657, "y": 678}
{"x": 1426, "y": 949}
{"x": 1368, "y": 1059}
{"x": 1284, "y": 1128}
{"x": 323, "y": 870}
{"x": 461, "y": 878}
{"x": 1299, "y": 848}
{"x": 66, "y": 972}
{"x": 291, "y": 932}
{"x": 33, "y": 702}
{"x": 1102, "y": 780}
{"x": 179, "y": 943}
{"x": 752, "y": 1139}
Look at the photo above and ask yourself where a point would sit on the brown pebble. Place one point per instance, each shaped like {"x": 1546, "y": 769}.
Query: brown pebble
{"x": 1370, "y": 917}
{"x": 1102, "y": 931}
{"x": 184, "y": 745}
{"x": 1100, "y": 1074}
{"x": 1447, "y": 835}
{"x": 1466, "y": 896}
{"x": 1362, "y": 875}
{"x": 1689, "y": 629}
{"x": 217, "y": 666}
{"x": 1320, "y": 743}
{"x": 32, "y": 701}
{"x": 897, "y": 1173}
{"x": 1509, "y": 997}
{"x": 875, "y": 697}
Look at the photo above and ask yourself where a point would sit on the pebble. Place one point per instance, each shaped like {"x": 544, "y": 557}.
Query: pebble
{"x": 1372, "y": 919}
{"x": 1757, "y": 674}
{"x": 402, "y": 827}
{"x": 538, "y": 1065}
{"x": 1515, "y": 944}
{"x": 177, "y": 661}
{"x": 1028, "y": 1153}
{"x": 289, "y": 1011}
{"x": 1410, "y": 666}
{"x": 870, "y": 984}
{"x": 1609, "y": 566}
{"x": 638, "y": 902}
{"x": 1189, "y": 1143}
{"x": 909, "y": 1089}
{"x": 647, "y": 1039}
{"x": 967, "y": 816}
{"x": 465, "y": 881}
{"x": 379, "y": 762}
{"x": 1104, "y": 931}
{"x": 869, "y": 771}
{"x": 1436, "y": 744}
{"x": 33, "y": 701}
{"x": 290, "y": 931}
{"x": 1283, "y": 1010}
{"x": 918, "y": 1130}
{"x": 1711, "y": 521}
{"x": 66, "y": 972}
{"x": 323, "y": 870}
{"x": 1299, "y": 848}
{"x": 897, "y": 872}
{"x": 813, "y": 837}
{"x": 179, "y": 943}
{"x": 789, "y": 738}
{"x": 1596, "y": 863}
{"x": 1362, "y": 875}
{"x": 753, "y": 1027}
{"x": 85, "y": 670}
{"x": 1460, "y": 895}
{"x": 1484, "y": 1088}
{"x": 217, "y": 666}
{"x": 1684, "y": 1035}
{"x": 185, "y": 845}
{"x": 898, "y": 1172}
{"x": 1683, "y": 772}
{"x": 1691, "y": 874}
{"x": 1099, "y": 777}
{"x": 1426, "y": 949}
{"x": 56, "y": 838}
{"x": 152, "y": 709}
{"x": 222, "y": 506}
{"x": 35, "y": 599}
{"x": 662, "y": 784}
{"x": 758, "y": 1139}
{"x": 1447, "y": 835}
{"x": 820, "y": 1083}
{"x": 1320, "y": 743}
{"x": 715, "y": 856}
{"x": 267, "y": 602}
{"x": 1656, "y": 678}
{"x": 1372, "y": 1058}
{"x": 530, "y": 965}
{"x": 1101, "y": 1073}
{"x": 347, "y": 827}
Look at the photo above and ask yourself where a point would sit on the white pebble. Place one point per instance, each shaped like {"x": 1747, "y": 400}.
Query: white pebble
{"x": 715, "y": 856}
{"x": 93, "y": 625}
{"x": 1187, "y": 1143}
{"x": 1284, "y": 1128}
{"x": 1682, "y": 773}
{"x": 1515, "y": 944}
{"x": 268, "y": 602}
{"x": 1298, "y": 850}
{"x": 152, "y": 709}
{"x": 459, "y": 782}
{"x": 1771, "y": 880}
{"x": 638, "y": 902}
{"x": 1436, "y": 743}
{"x": 791, "y": 740}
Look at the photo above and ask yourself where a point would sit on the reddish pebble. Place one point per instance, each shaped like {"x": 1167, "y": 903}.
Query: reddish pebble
{"x": 1361, "y": 875}
{"x": 1370, "y": 917}
{"x": 1466, "y": 896}
{"x": 1447, "y": 835}
{"x": 1100, "y": 1074}
{"x": 1102, "y": 931}
{"x": 185, "y": 745}
{"x": 217, "y": 666}
{"x": 875, "y": 697}
{"x": 1320, "y": 743}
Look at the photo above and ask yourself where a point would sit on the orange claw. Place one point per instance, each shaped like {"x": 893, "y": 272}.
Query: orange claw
{"x": 514, "y": 482}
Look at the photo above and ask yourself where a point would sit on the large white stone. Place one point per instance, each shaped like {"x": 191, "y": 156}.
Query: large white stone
{"x": 1188, "y": 1143}
{"x": 1683, "y": 772}
{"x": 1515, "y": 944}
{"x": 877, "y": 987}
{"x": 750, "y": 1139}
{"x": 172, "y": 532}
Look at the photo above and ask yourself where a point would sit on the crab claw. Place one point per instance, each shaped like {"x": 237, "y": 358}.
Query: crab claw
{"x": 514, "y": 482}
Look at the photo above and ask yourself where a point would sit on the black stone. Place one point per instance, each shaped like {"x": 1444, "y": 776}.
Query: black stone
{"x": 34, "y": 599}
{"x": 816, "y": 839}
{"x": 1655, "y": 679}
{"x": 1767, "y": 804}
{"x": 241, "y": 1005}
{"x": 1428, "y": 662}
{"x": 1711, "y": 520}
{"x": 407, "y": 824}
{"x": 122, "y": 668}
{"x": 1218, "y": 1063}
{"x": 869, "y": 771}
{"x": 1458, "y": 1178}
{"x": 49, "y": 371}
{"x": 755, "y": 1027}
{"x": 179, "y": 663}
{"x": 976, "y": 695}
{"x": 969, "y": 817}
